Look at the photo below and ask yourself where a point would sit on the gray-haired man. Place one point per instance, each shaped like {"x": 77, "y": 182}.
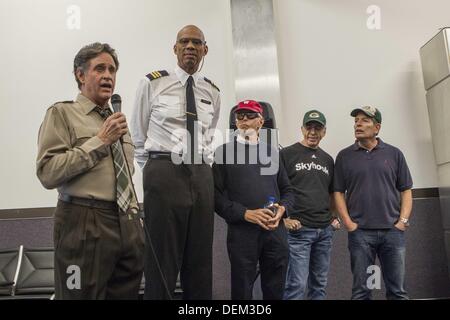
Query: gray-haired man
{"x": 98, "y": 237}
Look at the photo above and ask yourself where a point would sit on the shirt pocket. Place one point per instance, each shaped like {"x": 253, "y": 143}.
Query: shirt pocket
{"x": 205, "y": 112}
{"x": 82, "y": 134}
{"x": 168, "y": 106}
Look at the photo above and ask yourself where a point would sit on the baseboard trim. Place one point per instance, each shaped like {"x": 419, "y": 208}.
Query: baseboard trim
{"x": 425, "y": 193}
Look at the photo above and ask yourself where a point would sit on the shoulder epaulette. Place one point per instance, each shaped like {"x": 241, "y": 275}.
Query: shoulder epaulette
{"x": 55, "y": 105}
{"x": 212, "y": 83}
{"x": 157, "y": 74}
{"x": 63, "y": 102}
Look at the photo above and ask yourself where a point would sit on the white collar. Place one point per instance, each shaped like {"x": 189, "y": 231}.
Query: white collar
{"x": 183, "y": 75}
{"x": 240, "y": 139}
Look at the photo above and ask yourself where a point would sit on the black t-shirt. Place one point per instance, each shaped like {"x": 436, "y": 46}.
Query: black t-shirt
{"x": 310, "y": 172}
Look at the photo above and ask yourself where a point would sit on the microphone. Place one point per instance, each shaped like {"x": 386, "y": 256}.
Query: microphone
{"x": 116, "y": 102}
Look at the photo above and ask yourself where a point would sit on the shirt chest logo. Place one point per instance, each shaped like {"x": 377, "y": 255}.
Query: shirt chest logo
{"x": 311, "y": 166}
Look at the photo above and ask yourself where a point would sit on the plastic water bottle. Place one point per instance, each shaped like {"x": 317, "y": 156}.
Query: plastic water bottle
{"x": 271, "y": 205}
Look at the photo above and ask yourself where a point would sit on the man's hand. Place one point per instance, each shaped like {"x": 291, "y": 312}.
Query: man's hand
{"x": 260, "y": 217}
{"x": 273, "y": 222}
{"x": 292, "y": 224}
{"x": 351, "y": 226}
{"x": 113, "y": 128}
{"x": 400, "y": 225}
{"x": 336, "y": 224}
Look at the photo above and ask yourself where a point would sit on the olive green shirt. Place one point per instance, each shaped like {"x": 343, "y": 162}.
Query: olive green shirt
{"x": 70, "y": 155}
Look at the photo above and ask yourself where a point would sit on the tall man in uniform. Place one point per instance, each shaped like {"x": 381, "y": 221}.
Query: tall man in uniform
{"x": 172, "y": 127}
{"x": 310, "y": 223}
{"x": 372, "y": 185}
{"x": 98, "y": 236}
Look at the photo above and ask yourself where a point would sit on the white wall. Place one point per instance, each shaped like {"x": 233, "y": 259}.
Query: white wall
{"x": 327, "y": 59}
{"x": 330, "y": 60}
{"x": 37, "y": 51}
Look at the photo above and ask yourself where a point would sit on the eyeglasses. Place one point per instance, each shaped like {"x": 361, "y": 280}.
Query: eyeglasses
{"x": 249, "y": 115}
{"x": 315, "y": 126}
{"x": 196, "y": 42}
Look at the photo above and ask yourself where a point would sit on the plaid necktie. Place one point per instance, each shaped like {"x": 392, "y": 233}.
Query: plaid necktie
{"x": 124, "y": 193}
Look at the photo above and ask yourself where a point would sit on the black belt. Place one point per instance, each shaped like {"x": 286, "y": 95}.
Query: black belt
{"x": 168, "y": 155}
{"x": 161, "y": 155}
{"x": 85, "y": 202}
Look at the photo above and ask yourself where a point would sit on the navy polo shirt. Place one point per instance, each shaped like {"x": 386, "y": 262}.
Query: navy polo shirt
{"x": 372, "y": 181}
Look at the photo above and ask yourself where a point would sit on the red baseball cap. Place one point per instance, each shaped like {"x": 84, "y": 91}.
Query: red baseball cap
{"x": 250, "y": 105}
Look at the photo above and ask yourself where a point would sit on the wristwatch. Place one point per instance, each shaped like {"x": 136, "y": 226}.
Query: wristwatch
{"x": 404, "y": 221}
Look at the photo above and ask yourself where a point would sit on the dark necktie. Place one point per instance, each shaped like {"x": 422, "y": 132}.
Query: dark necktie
{"x": 123, "y": 187}
{"x": 191, "y": 118}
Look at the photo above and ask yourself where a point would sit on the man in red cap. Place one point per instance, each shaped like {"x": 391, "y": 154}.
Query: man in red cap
{"x": 249, "y": 120}
{"x": 242, "y": 192}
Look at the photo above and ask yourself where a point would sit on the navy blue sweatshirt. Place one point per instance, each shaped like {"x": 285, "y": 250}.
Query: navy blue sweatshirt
{"x": 243, "y": 183}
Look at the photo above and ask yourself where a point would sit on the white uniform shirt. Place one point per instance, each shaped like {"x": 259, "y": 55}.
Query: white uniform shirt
{"x": 159, "y": 116}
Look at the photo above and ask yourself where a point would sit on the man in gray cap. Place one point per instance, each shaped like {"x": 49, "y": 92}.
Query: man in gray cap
{"x": 372, "y": 188}
{"x": 310, "y": 223}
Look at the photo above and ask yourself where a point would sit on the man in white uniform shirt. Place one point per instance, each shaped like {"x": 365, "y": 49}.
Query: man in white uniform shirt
{"x": 172, "y": 126}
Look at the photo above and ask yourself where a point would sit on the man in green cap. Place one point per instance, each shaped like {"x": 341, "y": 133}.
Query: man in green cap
{"x": 372, "y": 189}
{"x": 310, "y": 222}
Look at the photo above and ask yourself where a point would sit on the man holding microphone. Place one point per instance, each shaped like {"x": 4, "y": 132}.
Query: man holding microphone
{"x": 98, "y": 237}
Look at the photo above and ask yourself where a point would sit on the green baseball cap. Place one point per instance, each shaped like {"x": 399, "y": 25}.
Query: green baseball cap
{"x": 368, "y": 111}
{"x": 314, "y": 115}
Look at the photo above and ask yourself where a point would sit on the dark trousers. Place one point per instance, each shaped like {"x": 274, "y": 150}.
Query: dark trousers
{"x": 98, "y": 253}
{"x": 179, "y": 217}
{"x": 249, "y": 244}
{"x": 389, "y": 245}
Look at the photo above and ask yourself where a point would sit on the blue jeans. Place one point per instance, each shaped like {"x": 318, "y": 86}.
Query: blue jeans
{"x": 389, "y": 245}
{"x": 309, "y": 261}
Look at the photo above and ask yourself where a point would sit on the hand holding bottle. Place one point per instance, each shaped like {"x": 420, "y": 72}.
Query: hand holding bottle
{"x": 272, "y": 223}
{"x": 271, "y": 205}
